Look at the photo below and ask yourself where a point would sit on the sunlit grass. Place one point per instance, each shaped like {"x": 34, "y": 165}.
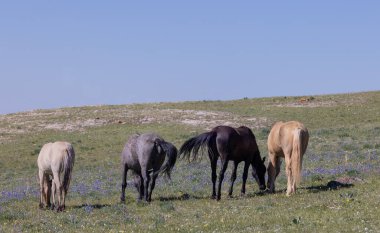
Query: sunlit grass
{"x": 344, "y": 143}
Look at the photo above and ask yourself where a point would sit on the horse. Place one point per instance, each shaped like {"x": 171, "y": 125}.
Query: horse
{"x": 289, "y": 140}
{"x": 145, "y": 155}
{"x": 53, "y": 160}
{"x": 227, "y": 143}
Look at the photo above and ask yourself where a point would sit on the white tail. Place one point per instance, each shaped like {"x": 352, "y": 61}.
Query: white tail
{"x": 297, "y": 153}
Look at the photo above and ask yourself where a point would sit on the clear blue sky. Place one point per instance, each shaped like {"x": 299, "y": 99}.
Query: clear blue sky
{"x": 73, "y": 53}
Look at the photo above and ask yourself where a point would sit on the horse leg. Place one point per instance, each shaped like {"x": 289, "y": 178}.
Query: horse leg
{"x": 221, "y": 177}
{"x": 54, "y": 192}
{"x": 151, "y": 186}
{"x": 233, "y": 178}
{"x": 58, "y": 189}
{"x": 213, "y": 176}
{"x": 123, "y": 182}
{"x": 145, "y": 181}
{"x": 273, "y": 170}
{"x": 63, "y": 204}
{"x": 245, "y": 176}
{"x": 140, "y": 187}
{"x": 47, "y": 190}
{"x": 42, "y": 191}
{"x": 289, "y": 189}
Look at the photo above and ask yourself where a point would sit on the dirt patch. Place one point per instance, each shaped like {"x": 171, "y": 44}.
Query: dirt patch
{"x": 311, "y": 102}
{"x": 79, "y": 119}
{"x": 204, "y": 119}
{"x": 349, "y": 180}
{"x": 308, "y": 104}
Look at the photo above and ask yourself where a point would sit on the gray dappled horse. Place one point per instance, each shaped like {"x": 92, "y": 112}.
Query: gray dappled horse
{"x": 145, "y": 155}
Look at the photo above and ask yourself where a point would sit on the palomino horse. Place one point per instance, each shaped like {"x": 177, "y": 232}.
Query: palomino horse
{"x": 289, "y": 140}
{"x": 236, "y": 144}
{"x": 144, "y": 155}
{"x": 54, "y": 159}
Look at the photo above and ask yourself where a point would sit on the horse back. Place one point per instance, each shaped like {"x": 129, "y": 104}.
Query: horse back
{"x": 141, "y": 151}
{"x": 281, "y": 136}
{"x": 52, "y": 155}
{"x": 238, "y": 143}
{"x": 247, "y": 141}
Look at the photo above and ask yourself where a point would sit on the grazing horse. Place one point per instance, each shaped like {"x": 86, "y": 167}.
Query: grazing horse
{"x": 54, "y": 159}
{"x": 236, "y": 144}
{"x": 289, "y": 140}
{"x": 145, "y": 155}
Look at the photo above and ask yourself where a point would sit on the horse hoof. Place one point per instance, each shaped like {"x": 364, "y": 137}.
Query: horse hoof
{"x": 41, "y": 206}
{"x": 270, "y": 191}
{"x": 288, "y": 194}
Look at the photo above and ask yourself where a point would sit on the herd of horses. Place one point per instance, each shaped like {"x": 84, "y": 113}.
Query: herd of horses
{"x": 148, "y": 155}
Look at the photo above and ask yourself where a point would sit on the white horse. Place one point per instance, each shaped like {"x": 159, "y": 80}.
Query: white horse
{"x": 54, "y": 159}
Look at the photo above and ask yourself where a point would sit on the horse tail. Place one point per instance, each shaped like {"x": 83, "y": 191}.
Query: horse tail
{"x": 171, "y": 156}
{"x": 68, "y": 163}
{"x": 191, "y": 147}
{"x": 297, "y": 153}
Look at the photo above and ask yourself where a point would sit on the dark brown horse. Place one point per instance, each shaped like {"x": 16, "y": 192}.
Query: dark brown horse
{"x": 236, "y": 144}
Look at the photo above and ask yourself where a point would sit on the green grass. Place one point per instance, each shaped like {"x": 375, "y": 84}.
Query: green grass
{"x": 344, "y": 143}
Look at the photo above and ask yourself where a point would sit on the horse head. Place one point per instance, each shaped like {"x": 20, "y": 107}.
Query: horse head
{"x": 259, "y": 170}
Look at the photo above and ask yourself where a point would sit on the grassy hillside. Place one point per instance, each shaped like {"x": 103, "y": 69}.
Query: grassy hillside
{"x": 344, "y": 145}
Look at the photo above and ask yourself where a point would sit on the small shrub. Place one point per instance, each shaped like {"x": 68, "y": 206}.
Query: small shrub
{"x": 167, "y": 206}
{"x": 36, "y": 151}
{"x": 343, "y": 135}
{"x": 348, "y": 147}
{"x": 367, "y": 146}
{"x": 353, "y": 172}
{"x": 265, "y": 131}
{"x": 316, "y": 177}
{"x": 296, "y": 220}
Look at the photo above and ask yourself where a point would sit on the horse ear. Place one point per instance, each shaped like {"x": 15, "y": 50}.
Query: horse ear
{"x": 264, "y": 159}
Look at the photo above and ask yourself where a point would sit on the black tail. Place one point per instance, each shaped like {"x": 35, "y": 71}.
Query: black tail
{"x": 203, "y": 141}
{"x": 171, "y": 157}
